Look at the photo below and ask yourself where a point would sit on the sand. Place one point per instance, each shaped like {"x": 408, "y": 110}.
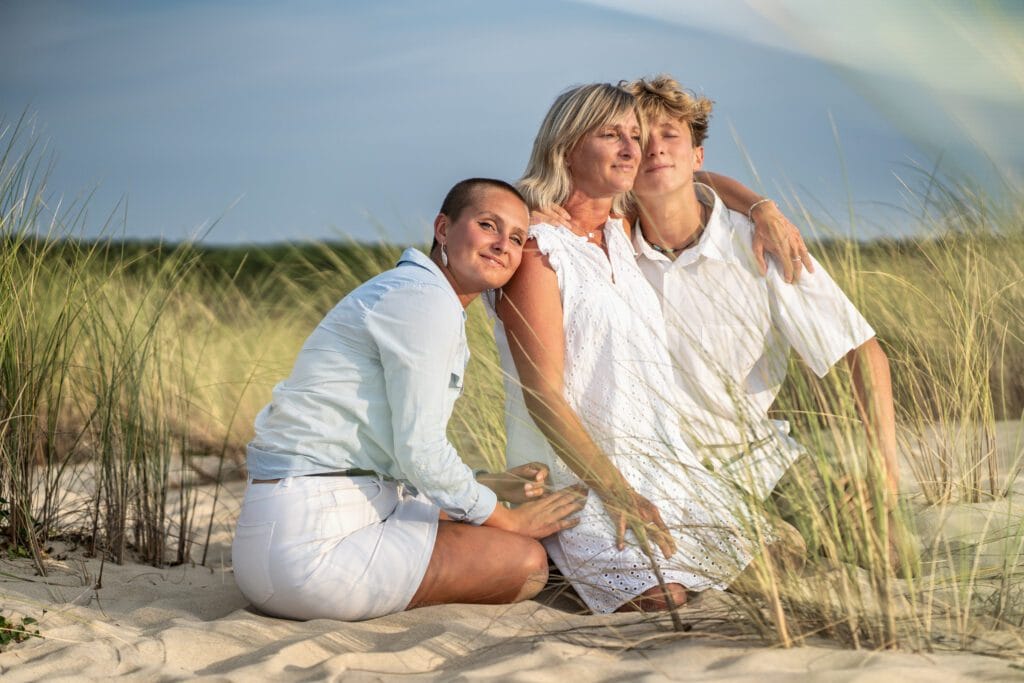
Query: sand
{"x": 190, "y": 622}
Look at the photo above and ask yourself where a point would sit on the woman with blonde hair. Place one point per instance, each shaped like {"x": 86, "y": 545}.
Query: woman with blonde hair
{"x": 583, "y": 340}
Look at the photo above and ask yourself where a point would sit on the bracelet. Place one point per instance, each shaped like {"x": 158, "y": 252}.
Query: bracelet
{"x": 759, "y": 202}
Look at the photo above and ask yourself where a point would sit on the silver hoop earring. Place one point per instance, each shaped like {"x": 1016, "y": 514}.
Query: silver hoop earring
{"x": 444, "y": 255}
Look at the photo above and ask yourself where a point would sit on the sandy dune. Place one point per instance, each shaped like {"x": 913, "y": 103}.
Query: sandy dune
{"x": 191, "y": 622}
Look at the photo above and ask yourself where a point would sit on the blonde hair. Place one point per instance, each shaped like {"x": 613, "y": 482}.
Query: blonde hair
{"x": 574, "y": 114}
{"x": 663, "y": 96}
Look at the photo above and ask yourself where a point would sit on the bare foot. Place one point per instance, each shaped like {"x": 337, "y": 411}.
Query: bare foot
{"x": 655, "y": 600}
{"x": 786, "y": 556}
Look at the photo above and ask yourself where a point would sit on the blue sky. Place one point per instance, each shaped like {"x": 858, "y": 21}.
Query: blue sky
{"x": 299, "y": 120}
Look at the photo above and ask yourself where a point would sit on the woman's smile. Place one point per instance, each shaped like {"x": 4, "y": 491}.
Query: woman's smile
{"x": 495, "y": 261}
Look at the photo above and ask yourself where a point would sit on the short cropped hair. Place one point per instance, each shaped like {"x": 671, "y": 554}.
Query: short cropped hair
{"x": 663, "y": 96}
{"x": 464, "y": 192}
{"x": 574, "y": 114}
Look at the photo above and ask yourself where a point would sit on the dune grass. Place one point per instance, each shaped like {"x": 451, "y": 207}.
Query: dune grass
{"x": 130, "y": 373}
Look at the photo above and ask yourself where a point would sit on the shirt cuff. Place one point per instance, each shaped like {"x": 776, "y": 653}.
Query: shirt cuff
{"x": 484, "y": 506}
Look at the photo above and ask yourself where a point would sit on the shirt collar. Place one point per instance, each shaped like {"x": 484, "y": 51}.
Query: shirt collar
{"x": 717, "y": 240}
{"x": 715, "y": 243}
{"x": 415, "y": 257}
{"x": 418, "y": 258}
{"x": 642, "y": 247}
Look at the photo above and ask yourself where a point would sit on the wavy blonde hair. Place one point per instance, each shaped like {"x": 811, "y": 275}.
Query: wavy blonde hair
{"x": 663, "y": 96}
{"x": 574, "y": 114}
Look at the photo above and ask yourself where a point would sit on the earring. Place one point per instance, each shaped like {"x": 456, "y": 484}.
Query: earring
{"x": 444, "y": 255}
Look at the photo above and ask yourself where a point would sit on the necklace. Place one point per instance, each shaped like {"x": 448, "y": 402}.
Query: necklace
{"x": 672, "y": 252}
{"x": 593, "y": 233}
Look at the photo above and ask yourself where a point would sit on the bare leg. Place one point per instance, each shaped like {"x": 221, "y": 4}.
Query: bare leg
{"x": 481, "y": 565}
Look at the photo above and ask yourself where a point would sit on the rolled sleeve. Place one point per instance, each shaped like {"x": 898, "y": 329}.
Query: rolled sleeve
{"x": 419, "y": 335}
{"x": 817, "y": 318}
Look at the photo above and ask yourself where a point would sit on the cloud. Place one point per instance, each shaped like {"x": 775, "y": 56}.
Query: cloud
{"x": 955, "y": 47}
{"x": 940, "y": 71}
{"x": 322, "y": 114}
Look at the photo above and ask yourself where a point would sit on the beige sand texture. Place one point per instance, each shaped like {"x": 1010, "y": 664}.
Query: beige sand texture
{"x": 191, "y": 622}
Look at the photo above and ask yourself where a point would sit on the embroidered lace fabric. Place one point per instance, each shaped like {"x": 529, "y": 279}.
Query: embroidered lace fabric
{"x": 618, "y": 379}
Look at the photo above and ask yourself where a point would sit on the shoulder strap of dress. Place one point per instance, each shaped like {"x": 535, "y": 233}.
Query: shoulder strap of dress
{"x": 549, "y": 237}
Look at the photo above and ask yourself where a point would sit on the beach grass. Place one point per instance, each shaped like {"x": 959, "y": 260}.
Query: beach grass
{"x": 132, "y": 372}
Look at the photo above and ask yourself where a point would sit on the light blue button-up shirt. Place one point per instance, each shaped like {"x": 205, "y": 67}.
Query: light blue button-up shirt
{"x": 373, "y": 388}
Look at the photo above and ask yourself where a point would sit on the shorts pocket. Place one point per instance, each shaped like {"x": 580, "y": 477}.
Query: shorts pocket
{"x": 354, "y": 508}
{"x": 250, "y": 557}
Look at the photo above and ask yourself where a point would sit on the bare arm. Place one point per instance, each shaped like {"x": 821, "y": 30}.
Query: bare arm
{"x": 872, "y": 383}
{"x": 531, "y": 311}
{"x": 773, "y": 232}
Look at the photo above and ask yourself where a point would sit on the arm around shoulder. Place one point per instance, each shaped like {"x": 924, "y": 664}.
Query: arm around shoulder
{"x": 773, "y": 231}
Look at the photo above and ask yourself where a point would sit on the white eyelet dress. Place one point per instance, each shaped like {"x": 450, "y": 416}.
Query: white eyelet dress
{"x": 618, "y": 379}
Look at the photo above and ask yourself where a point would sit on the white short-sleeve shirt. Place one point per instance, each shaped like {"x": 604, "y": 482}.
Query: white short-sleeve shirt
{"x": 730, "y": 330}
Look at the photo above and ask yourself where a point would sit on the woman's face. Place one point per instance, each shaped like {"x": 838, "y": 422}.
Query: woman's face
{"x": 604, "y": 162}
{"x": 669, "y": 159}
{"x": 485, "y": 241}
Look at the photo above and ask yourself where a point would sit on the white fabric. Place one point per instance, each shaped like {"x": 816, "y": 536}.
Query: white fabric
{"x": 618, "y": 380}
{"x": 730, "y": 331}
{"x": 373, "y": 388}
{"x": 347, "y": 548}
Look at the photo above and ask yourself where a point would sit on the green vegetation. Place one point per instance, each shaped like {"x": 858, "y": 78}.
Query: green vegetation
{"x": 16, "y": 632}
{"x": 131, "y": 371}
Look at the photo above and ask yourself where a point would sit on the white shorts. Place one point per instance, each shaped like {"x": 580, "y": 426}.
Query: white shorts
{"x": 347, "y": 548}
